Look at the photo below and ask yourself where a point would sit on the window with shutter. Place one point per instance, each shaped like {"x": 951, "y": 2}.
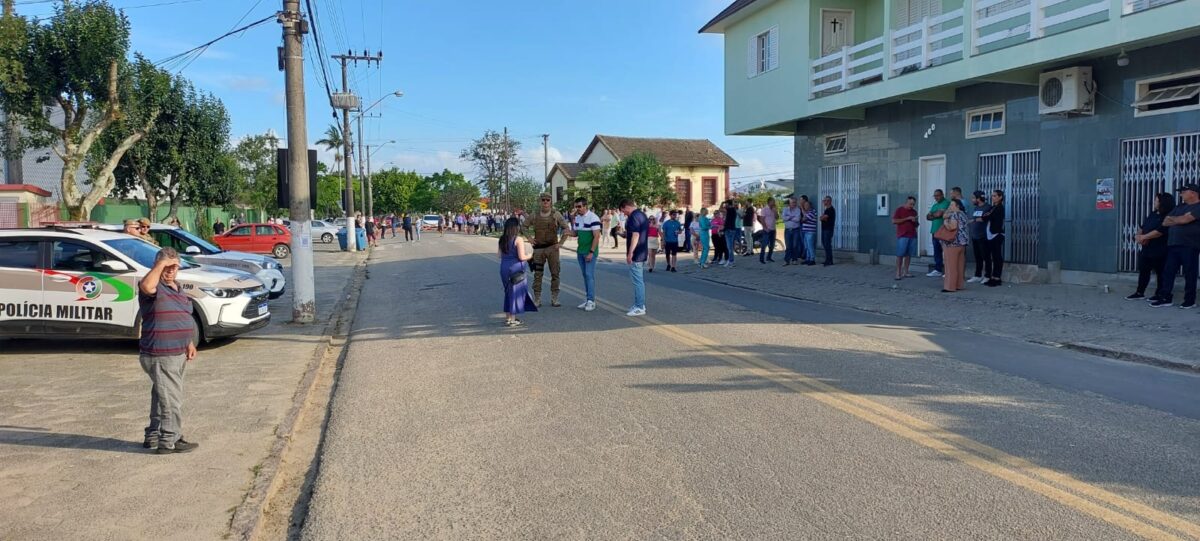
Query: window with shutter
{"x": 773, "y": 48}
{"x": 709, "y": 193}
{"x": 762, "y": 52}
{"x": 683, "y": 190}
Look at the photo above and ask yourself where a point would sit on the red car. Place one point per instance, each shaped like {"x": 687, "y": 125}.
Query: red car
{"x": 258, "y": 239}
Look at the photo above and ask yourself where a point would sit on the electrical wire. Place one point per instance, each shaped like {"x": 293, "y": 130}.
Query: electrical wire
{"x": 198, "y": 50}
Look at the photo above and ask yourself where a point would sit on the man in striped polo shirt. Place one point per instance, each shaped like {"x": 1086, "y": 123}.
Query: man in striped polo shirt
{"x": 165, "y": 348}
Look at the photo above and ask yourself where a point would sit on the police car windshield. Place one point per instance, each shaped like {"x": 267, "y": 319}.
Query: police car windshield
{"x": 198, "y": 242}
{"x": 141, "y": 251}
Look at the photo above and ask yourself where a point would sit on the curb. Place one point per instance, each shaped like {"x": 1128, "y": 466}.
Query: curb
{"x": 247, "y": 517}
{"x": 1090, "y": 349}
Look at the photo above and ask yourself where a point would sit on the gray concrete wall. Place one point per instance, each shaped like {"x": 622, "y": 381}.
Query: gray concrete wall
{"x": 1074, "y": 152}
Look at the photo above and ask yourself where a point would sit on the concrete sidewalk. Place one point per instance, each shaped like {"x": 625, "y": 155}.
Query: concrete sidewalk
{"x": 72, "y": 413}
{"x": 1085, "y": 318}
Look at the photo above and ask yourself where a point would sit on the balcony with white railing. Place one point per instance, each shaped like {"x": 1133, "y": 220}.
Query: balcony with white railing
{"x": 978, "y": 28}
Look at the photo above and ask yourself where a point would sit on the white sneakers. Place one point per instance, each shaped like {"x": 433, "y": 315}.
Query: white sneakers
{"x": 636, "y": 311}
{"x": 935, "y": 274}
{"x": 584, "y": 305}
{"x": 589, "y": 306}
{"x": 974, "y": 280}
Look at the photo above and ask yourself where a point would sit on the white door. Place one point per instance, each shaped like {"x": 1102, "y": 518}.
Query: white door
{"x": 933, "y": 177}
{"x": 837, "y": 30}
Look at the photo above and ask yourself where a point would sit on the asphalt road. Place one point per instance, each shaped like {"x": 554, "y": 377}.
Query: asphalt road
{"x": 729, "y": 414}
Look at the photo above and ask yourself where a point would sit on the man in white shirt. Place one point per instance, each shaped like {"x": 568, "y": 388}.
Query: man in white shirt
{"x": 587, "y": 230}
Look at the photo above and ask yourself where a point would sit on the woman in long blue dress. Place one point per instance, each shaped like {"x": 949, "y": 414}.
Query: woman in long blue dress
{"x": 513, "y": 270}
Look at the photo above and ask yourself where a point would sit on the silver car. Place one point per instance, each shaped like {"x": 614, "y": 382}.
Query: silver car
{"x": 321, "y": 230}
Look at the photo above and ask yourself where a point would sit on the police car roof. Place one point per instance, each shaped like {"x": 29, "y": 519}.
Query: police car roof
{"x": 66, "y": 232}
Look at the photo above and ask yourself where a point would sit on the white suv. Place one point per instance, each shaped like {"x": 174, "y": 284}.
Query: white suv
{"x": 58, "y": 283}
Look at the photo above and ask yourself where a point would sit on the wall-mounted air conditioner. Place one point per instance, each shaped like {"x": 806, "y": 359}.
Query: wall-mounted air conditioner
{"x": 1069, "y": 90}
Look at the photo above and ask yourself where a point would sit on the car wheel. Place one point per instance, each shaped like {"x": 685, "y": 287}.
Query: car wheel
{"x": 327, "y": 238}
{"x": 198, "y": 336}
{"x": 281, "y": 251}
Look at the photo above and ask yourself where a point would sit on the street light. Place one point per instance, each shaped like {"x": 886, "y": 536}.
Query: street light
{"x": 371, "y": 200}
{"x": 366, "y": 184}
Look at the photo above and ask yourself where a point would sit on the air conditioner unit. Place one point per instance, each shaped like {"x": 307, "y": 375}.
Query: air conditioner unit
{"x": 1068, "y": 90}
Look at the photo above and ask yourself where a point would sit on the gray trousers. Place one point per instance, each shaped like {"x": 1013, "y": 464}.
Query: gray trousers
{"x": 166, "y": 396}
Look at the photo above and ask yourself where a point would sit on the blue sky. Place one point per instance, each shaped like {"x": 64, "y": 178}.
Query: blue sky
{"x": 564, "y": 67}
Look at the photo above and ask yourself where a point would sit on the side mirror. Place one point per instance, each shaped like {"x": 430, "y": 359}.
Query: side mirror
{"x": 115, "y": 266}
{"x": 193, "y": 250}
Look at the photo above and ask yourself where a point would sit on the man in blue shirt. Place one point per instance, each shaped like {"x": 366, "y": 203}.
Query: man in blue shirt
{"x": 670, "y": 231}
{"x": 637, "y": 229}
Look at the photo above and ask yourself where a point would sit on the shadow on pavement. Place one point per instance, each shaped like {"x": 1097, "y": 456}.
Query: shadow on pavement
{"x": 37, "y": 437}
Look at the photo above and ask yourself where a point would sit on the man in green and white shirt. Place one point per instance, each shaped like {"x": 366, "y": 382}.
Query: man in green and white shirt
{"x": 587, "y": 230}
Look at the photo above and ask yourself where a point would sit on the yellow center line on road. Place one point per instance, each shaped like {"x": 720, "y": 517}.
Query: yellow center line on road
{"x": 1145, "y": 521}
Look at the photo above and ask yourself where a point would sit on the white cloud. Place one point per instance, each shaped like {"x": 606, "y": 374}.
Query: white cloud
{"x": 533, "y": 157}
{"x": 423, "y": 162}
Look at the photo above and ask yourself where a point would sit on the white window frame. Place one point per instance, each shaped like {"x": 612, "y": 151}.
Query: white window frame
{"x": 979, "y": 111}
{"x": 834, "y": 136}
{"x": 1142, "y": 88}
{"x": 758, "y": 55}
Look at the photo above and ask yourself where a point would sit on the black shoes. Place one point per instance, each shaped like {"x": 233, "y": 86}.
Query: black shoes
{"x": 1134, "y": 296}
{"x": 1161, "y": 303}
{"x": 993, "y": 283}
{"x": 180, "y": 446}
{"x": 151, "y": 442}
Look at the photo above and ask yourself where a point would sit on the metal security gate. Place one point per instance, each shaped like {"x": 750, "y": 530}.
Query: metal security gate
{"x": 841, "y": 183}
{"x": 1150, "y": 166}
{"x": 1017, "y": 173}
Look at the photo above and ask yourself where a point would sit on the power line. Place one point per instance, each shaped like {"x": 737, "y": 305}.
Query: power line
{"x": 201, "y": 48}
{"x": 321, "y": 55}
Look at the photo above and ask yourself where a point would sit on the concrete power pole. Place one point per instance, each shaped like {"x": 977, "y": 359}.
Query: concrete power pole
{"x": 304, "y": 303}
{"x": 504, "y": 152}
{"x": 347, "y": 101}
{"x": 13, "y": 168}
{"x": 363, "y": 190}
{"x": 546, "y": 159}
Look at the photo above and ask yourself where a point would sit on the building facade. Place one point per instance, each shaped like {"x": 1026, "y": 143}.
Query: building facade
{"x": 699, "y": 170}
{"x": 1079, "y": 110}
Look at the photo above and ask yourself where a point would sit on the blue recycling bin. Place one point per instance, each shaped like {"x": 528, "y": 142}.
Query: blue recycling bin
{"x": 362, "y": 238}
{"x": 341, "y": 236}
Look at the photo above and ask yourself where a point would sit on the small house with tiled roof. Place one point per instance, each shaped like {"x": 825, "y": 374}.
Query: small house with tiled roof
{"x": 699, "y": 170}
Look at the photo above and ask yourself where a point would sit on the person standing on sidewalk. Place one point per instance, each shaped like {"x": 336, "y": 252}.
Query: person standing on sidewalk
{"x": 793, "y": 235}
{"x": 828, "y": 222}
{"x": 407, "y": 226}
{"x": 1183, "y": 249}
{"x": 731, "y": 230}
{"x": 749, "y": 220}
{"x": 809, "y": 227}
{"x": 671, "y": 230}
{"x": 955, "y": 250}
{"x": 1153, "y": 242}
{"x": 547, "y": 225}
{"x": 767, "y": 217}
{"x": 637, "y": 227}
{"x": 165, "y": 348}
{"x": 703, "y": 235}
{"x": 653, "y": 244}
{"x": 978, "y": 231}
{"x": 905, "y": 219}
{"x": 940, "y": 204}
{"x": 689, "y": 218}
{"x": 718, "y": 236}
{"x": 995, "y": 238}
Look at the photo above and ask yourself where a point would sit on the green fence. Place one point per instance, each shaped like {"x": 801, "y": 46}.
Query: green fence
{"x": 115, "y": 212}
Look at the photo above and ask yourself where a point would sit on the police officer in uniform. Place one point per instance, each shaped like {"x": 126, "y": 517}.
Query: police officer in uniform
{"x": 549, "y": 231}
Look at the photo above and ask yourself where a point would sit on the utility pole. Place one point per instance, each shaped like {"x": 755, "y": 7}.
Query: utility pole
{"x": 546, "y": 159}
{"x": 508, "y": 202}
{"x": 13, "y": 168}
{"x": 304, "y": 303}
{"x": 346, "y": 101}
{"x": 363, "y": 190}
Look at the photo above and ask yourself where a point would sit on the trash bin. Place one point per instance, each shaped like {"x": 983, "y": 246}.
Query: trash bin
{"x": 362, "y": 238}
{"x": 341, "y": 235}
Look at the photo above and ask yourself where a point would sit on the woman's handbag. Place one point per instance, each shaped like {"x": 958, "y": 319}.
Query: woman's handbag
{"x": 516, "y": 278}
{"x": 944, "y": 234}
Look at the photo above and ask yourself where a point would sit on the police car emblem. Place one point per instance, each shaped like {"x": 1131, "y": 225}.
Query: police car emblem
{"x": 89, "y": 288}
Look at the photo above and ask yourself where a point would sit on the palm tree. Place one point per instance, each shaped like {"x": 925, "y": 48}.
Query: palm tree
{"x": 333, "y": 142}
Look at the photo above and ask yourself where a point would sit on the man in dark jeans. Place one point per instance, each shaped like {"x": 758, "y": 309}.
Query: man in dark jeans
{"x": 828, "y": 220}
{"x": 1183, "y": 248}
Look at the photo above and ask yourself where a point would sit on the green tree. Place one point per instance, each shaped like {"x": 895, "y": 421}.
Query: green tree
{"x": 75, "y": 82}
{"x": 639, "y": 177}
{"x": 494, "y": 158}
{"x": 402, "y": 191}
{"x": 524, "y": 192}
{"x": 14, "y": 38}
{"x": 329, "y": 195}
{"x": 453, "y": 192}
{"x": 333, "y": 142}
{"x": 570, "y": 195}
{"x": 255, "y": 159}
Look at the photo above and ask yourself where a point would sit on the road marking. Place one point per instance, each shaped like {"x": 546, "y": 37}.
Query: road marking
{"x": 1145, "y": 523}
{"x": 995, "y": 462}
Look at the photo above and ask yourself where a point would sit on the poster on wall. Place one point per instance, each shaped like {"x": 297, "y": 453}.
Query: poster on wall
{"x": 1104, "y": 194}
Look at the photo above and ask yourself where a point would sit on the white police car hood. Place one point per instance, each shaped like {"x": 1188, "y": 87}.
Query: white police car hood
{"x": 211, "y": 276}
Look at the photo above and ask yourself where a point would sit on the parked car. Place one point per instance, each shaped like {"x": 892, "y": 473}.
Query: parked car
{"x": 321, "y": 230}
{"x": 257, "y": 239}
{"x": 198, "y": 250}
{"x": 429, "y": 221}
{"x": 72, "y": 283}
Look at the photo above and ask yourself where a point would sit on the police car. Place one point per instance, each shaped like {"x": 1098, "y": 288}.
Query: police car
{"x": 60, "y": 282}
{"x": 198, "y": 250}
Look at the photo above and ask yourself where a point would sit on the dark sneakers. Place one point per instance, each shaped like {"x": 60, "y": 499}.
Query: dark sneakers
{"x": 1160, "y": 303}
{"x": 1134, "y": 296}
{"x": 180, "y": 446}
{"x": 1187, "y": 305}
{"x": 151, "y": 442}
